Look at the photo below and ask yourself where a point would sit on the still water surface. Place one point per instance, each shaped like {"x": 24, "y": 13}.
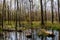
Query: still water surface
{"x": 21, "y": 36}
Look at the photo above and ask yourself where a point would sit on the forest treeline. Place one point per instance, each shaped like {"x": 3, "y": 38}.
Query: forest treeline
{"x": 22, "y": 14}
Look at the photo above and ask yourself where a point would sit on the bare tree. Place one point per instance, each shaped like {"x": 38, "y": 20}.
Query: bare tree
{"x": 52, "y": 16}
{"x": 58, "y": 11}
{"x": 52, "y": 10}
{"x": 45, "y": 11}
{"x": 3, "y": 14}
{"x": 16, "y": 2}
{"x": 42, "y": 20}
{"x": 59, "y": 15}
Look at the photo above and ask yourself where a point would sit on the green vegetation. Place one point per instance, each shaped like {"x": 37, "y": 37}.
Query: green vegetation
{"x": 35, "y": 24}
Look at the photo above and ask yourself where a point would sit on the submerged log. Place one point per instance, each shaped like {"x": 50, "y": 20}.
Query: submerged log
{"x": 50, "y": 35}
{"x": 19, "y": 30}
{"x": 29, "y": 36}
{"x": 44, "y": 32}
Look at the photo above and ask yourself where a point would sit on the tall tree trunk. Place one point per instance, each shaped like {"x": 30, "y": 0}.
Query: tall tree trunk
{"x": 52, "y": 10}
{"x": 3, "y": 12}
{"x": 8, "y": 14}
{"x": 45, "y": 12}
{"x": 42, "y": 20}
{"x": 59, "y": 16}
{"x": 16, "y": 20}
{"x": 31, "y": 7}
{"x": 52, "y": 16}
{"x": 58, "y": 12}
{"x": 45, "y": 17}
{"x": 20, "y": 16}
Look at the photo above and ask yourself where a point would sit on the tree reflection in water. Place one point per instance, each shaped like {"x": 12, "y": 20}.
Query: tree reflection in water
{"x": 22, "y": 36}
{"x": 12, "y": 35}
